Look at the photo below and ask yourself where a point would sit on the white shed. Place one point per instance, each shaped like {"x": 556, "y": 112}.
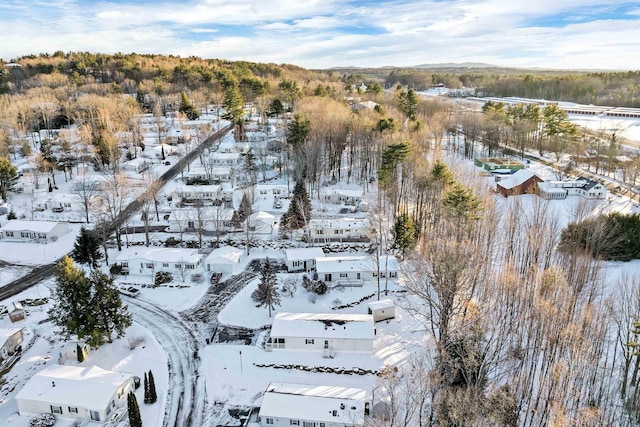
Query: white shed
{"x": 287, "y": 404}
{"x": 382, "y": 310}
{"x": 75, "y": 392}
{"x": 225, "y": 259}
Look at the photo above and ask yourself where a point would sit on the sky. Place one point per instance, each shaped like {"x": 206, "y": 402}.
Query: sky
{"x": 561, "y": 34}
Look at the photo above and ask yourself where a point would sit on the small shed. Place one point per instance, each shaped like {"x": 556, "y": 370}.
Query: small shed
{"x": 382, "y": 310}
{"x": 70, "y": 352}
{"x": 17, "y": 313}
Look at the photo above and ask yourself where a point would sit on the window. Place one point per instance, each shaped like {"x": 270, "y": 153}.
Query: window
{"x": 296, "y": 263}
{"x": 294, "y": 422}
{"x": 308, "y": 341}
{"x": 8, "y": 233}
{"x": 308, "y": 424}
{"x": 67, "y": 205}
{"x": 252, "y": 228}
{"x": 24, "y": 234}
{"x": 190, "y": 266}
{"x": 321, "y": 425}
{"x": 56, "y": 409}
{"x": 149, "y": 265}
{"x": 269, "y": 420}
{"x": 42, "y": 236}
{"x": 393, "y": 274}
{"x": 124, "y": 264}
{"x": 263, "y": 192}
{"x": 343, "y": 275}
{"x": 165, "y": 264}
{"x": 73, "y": 409}
{"x": 178, "y": 266}
{"x": 334, "y": 413}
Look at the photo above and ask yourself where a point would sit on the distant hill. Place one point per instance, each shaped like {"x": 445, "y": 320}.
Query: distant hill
{"x": 455, "y": 65}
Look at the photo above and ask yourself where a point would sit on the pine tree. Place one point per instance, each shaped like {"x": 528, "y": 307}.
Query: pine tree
{"x": 146, "y": 389}
{"x": 134, "y": 410}
{"x": 79, "y": 353}
{"x": 8, "y": 177}
{"x": 404, "y": 233}
{"x": 86, "y": 249}
{"x": 109, "y": 312}
{"x": 153, "y": 396}
{"x": 71, "y": 310}
{"x": 266, "y": 295}
{"x": 299, "y": 211}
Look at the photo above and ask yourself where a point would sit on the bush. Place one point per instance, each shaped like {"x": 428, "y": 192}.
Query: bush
{"x": 171, "y": 242}
{"x": 134, "y": 342}
{"x": 320, "y": 287}
{"x": 12, "y": 215}
{"x": 197, "y": 277}
{"x": 115, "y": 269}
{"x": 163, "y": 277}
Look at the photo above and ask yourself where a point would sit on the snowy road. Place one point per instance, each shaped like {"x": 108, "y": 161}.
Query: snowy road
{"x": 186, "y": 394}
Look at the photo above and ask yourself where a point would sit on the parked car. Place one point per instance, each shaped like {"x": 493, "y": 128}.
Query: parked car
{"x": 278, "y": 204}
{"x": 129, "y": 291}
{"x": 57, "y": 209}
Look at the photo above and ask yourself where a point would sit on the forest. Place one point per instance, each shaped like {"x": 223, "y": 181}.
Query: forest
{"x": 517, "y": 331}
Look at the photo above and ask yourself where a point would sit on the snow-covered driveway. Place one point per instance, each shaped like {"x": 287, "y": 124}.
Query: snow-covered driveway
{"x": 186, "y": 393}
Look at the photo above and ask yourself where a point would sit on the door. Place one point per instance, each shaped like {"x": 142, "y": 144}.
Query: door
{"x": 95, "y": 415}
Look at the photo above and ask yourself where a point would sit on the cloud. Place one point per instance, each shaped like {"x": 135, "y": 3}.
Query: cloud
{"x": 327, "y": 33}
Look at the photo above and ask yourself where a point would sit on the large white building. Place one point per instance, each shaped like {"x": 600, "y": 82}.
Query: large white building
{"x": 328, "y": 333}
{"x": 286, "y": 404}
{"x": 147, "y": 261}
{"x": 33, "y": 231}
{"x": 559, "y": 190}
{"x": 338, "y": 229}
{"x": 355, "y": 270}
{"x": 75, "y": 392}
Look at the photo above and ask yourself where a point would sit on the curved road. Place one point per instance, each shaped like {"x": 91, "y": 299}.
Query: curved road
{"x": 186, "y": 393}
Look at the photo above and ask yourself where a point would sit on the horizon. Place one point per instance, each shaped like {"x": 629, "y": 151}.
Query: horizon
{"x": 572, "y": 35}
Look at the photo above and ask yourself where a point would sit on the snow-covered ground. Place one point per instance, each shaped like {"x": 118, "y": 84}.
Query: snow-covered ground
{"x": 626, "y": 128}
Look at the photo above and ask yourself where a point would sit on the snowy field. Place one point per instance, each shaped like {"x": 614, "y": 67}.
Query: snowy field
{"x": 626, "y": 128}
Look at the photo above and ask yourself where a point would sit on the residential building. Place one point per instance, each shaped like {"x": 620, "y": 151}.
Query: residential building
{"x": 521, "y": 182}
{"x": 75, "y": 392}
{"x": 355, "y": 270}
{"x": 328, "y": 333}
{"x": 287, "y": 404}
{"x": 302, "y": 259}
{"x": 225, "y": 259}
{"x": 33, "y": 231}
{"x": 338, "y": 229}
{"x": 585, "y": 187}
{"x": 147, "y": 261}
{"x": 10, "y": 342}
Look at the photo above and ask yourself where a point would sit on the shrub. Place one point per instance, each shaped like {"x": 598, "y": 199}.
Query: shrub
{"x": 163, "y": 277}
{"x": 134, "y": 342}
{"x": 197, "y": 277}
{"x": 320, "y": 287}
{"x": 115, "y": 269}
{"x": 171, "y": 242}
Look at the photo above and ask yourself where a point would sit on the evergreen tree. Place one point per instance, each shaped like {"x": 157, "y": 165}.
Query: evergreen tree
{"x": 71, "y": 310}
{"x": 79, "y": 353}
{"x": 134, "y": 410}
{"x": 299, "y": 211}
{"x": 275, "y": 107}
{"x": 146, "y": 389}
{"x": 404, "y": 233}
{"x": 109, "y": 312}
{"x": 86, "y": 249}
{"x": 408, "y": 103}
{"x": 245, "y": 208}
{"x": 187, "y": 108}
{"x": 8, "y": 177}
{"x": 153, "y": 396}
{"x": 266, "y": 295}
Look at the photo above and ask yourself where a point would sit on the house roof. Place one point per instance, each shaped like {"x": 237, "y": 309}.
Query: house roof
{"x": 343, "y": 223}
{"x": 225, "y": 254}
{"x": 35, "y": 226}
{"x": 355, "y": 263}
{"x": 323, "y": 325}
{"x": 518, "y": 178}
{"x": 382, "y": 304}
{"x": 88, "y": 387}
{"x": 262, "y": 216}
{"x": 7, "y": 333}
{"x": 161, "y": 255}
{"x": 299, "y": 254}
{"x": 314, "y": 403}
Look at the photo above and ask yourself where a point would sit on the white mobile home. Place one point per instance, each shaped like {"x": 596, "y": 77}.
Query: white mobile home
{"x": 33, "y": 231}
{"x": 354, "y": 270}
{"x": 147, "y": 261}
{"x": 66, "y": 202}
{"x": 347, "y": 197}
{"x": 320, "y": 332}
{"x": 216, "y": 219}
{"x": 286, "y": 404}
{"x": 338, "y": 229}
{"x": 302, "y": 259}
{"x": 225, "y": 159}
{"x": 73, "y": 392}
{"x": 270, "y": 191}
{"x": 190, "y": 193}
{"x": 262, "y": 223}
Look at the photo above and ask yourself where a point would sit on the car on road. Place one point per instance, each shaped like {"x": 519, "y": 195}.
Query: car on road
{"x": 129, "y": 291}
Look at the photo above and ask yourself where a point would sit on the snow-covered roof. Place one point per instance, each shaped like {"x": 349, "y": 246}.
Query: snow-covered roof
{"x": 299, "y": 254}
{"x": 346, "y": 263}
{"x": 35, "y": 226}
{"x": 217, "y": 155}
{"x": 180, "y": 255}
{"x": 323, "y": 325}
{"x": 6, "y": 333}
{"x": 66, "y": 197}
{"x": 342, "y": 223}
{"x": 314, "y": 403}
{"x": 382, "y": 304}
{"x": 262, "y": 216}
{"x": 345, "y": 192}
{"x": 516, "y": 179}
{"x": 88, "y": 387}
{"x": 227, "y": 254}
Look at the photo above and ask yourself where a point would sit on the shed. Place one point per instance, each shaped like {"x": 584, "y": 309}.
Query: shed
{"x": 521, "y": 182}
{"x": 225, "y": 259}
{"x": 17, "y": 313}
{"x": 10, "y": 342}
{"x": 382, "y": 310}
{"x": 70, "y": 352}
